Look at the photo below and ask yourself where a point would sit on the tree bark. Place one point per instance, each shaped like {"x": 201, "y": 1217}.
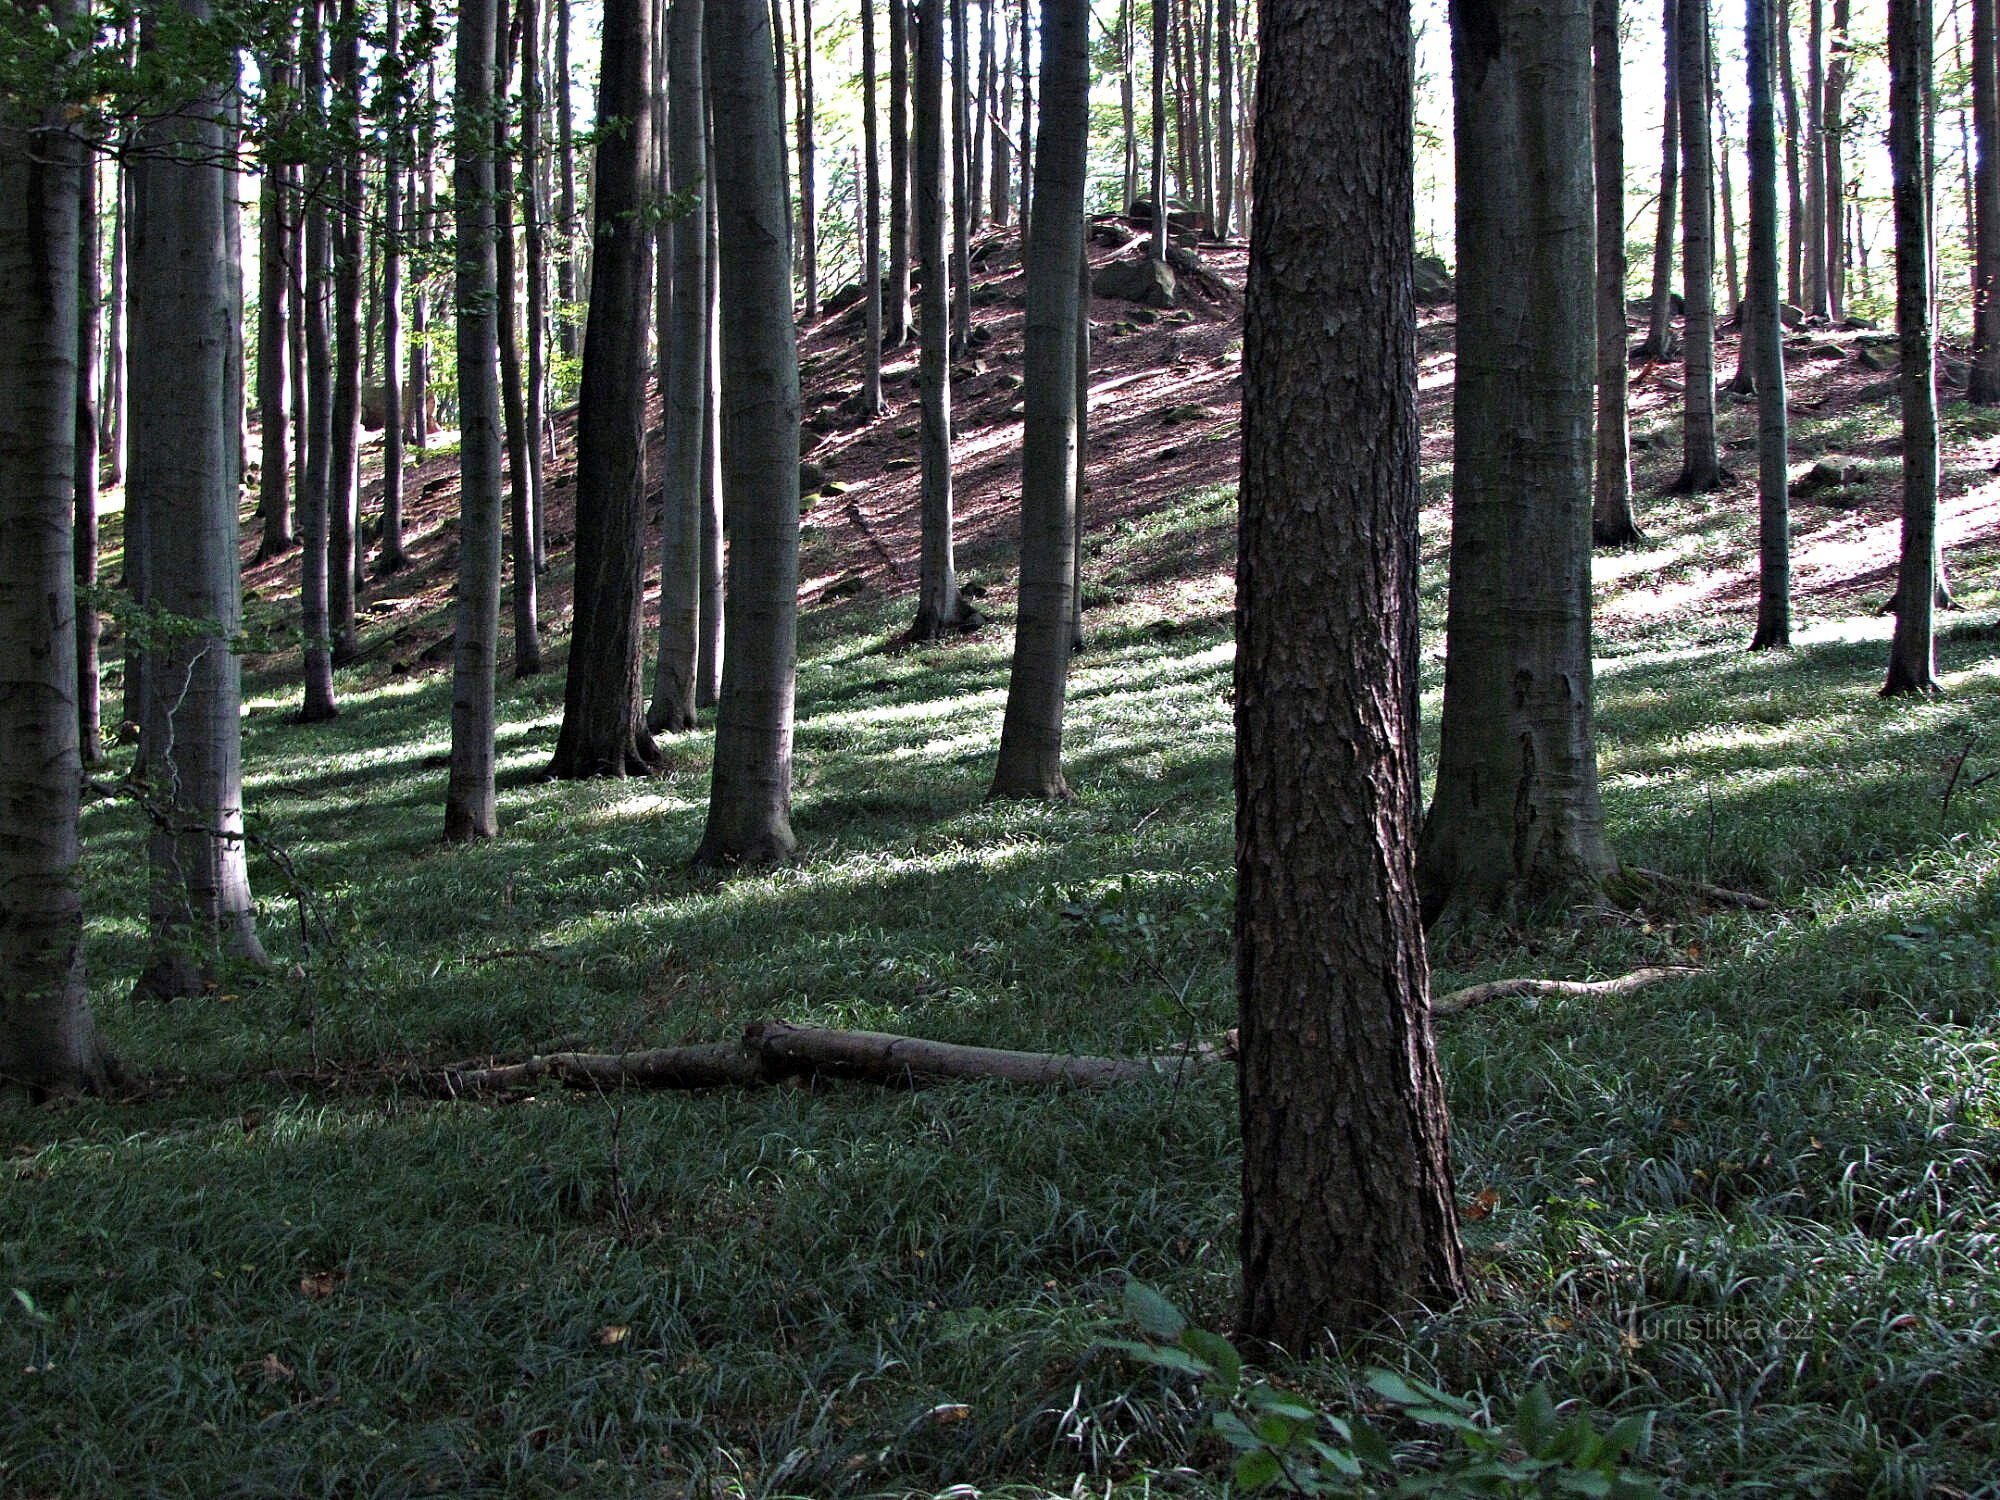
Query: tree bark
{"x": 1515, "y": 819}
{"x": 1701, "y": 467}
{"x": 274, "y": 503}
{"x": 1027, "y": 132}
{"x": 708, "y": 663}
{"x": 566, "y": 271}
{"x": 1913, "y": 648}
{"x": 1832, "y": 224}
{"x": 89, "y": 311}
{"x": 526, "y": 550}
{"x": 1795, "y": 216}
{"x": 961, "y": 169}
{"x": 184, "y": 468}
{"x": 1774, "y": 605}
{"x": 871, "y": 198}
{"x": 1984, "y": 383}
{"x": 1225, "y": 122}
{"x": 1030, "y": 763}
{"x": 391, "y": 557}
{"x": 470, "y": 808}
{"x": 1612, "y": 523}
{"x": 1659, "y": 343}
{"x": 1348, "y": 1214}
{"x": 1724, "y": 195}
{"x": 48, "y": 1042}
{"x": 343, "y": 536}
{"x": 802, "y": 82}
{"x": 316, "y": 463}
{"x": 111, "y": 419}
{"x": 1816, "y": 205}
{"x": 750, "y": 793}
{"x": 982, "y": 90}
{"x": 899, "y": 172}
{"x": 941, "y": 610}
{"x": 1162, "y": 10}
{"x": 1003, "y": 173}
{"x": 685, "y": 396}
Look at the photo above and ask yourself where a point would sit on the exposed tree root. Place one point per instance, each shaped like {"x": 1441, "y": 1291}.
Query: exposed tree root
{"x": 1716, "y": 895}
{"x": 1510, "y": 989}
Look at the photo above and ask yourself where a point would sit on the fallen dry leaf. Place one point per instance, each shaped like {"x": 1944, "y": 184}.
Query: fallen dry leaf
{"x": 322, "y": 1283}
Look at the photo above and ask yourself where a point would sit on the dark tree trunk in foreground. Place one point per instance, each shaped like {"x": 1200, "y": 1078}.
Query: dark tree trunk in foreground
{"x": 48, "y": 1043}
{"x": 1659, "y": 343}
{"x": 89, "y": 309}
{"x": 1913, "y": 649}
{"x": 470, "y": 809}
{"x": 1515, "y": 819}
{"x": 1984, "y": 385}
{"x": 899, "y": 172}
{"x": 685, "y": 397}
{"x": 1348, "y": 1214}
{"x": 1612, "y": 523}
{"x": 1031, "y": 734}
{"x": 184, "y": 466}
{"x": 871, "y": 218}
{"x": 1701, "y": 463}
{"x": 604, "y": 722}
{"x": 1774, "y": 544}
{"x": 941, "y": 610}
{"x": 750, "y": 794}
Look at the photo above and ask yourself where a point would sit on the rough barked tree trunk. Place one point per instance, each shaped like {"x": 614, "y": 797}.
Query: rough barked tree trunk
{"x": 1774, "y": 544}
{"x": 1983, "y": 386}
{"x": 89, "y": 311}
{"x": 1701, "y": 462}
{"x": 1030, "y": 762}
{"x": 274, "y": 502}
{"x": 184, "y": 465}
{"x": 685, "y": 398}
{"x": 1515, "y": 818}
{"x": 1913, "y": 648}
{"x": 899, "y": 172}
{"x": 1659, "y": 341}
{"x": 343, "y": 536}
{"x": 1348, "y": 1214}
{"x": 391, "y": 556}
{"x": 316, "y": 459}
{"x": 604, "y": 720}
{"x": 470, "y": 807}
{"x": 871, "y": 214}
{"x": 941, "y": 610}
{"x": 1612, "y": 523}
{"x": 48, "y": 1043}
{"x": 750, "y": 793}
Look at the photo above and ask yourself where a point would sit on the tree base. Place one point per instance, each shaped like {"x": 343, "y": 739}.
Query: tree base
{"x": 1618, "y": 531}
{"x": 1701, "y": 481}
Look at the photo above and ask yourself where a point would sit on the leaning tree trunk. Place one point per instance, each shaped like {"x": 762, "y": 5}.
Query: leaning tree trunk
{"x": 316, "y": 461}
{"x": 899, "y": 172}
{"x": 941, "y": 610}
{"x": 604, "y": 719}
{"x": 184, "y": 467}
{"x": 1659, "y": 342}
{"x": 750, "y": 793}
{"x": 89, "y": 310}
{"x": 1031, "y": 734}
{"x": 1913, "y": 649}
{"x": 343, "y": 536}
{"x": 1348, "y": 1214}
{"x": 1701, "y": 465}
{"x": 392, "y": 556}
{"x": 871, "y": 219}
{"x": 1774, "y": 545}
{"x": 1612, "y": 523}
{"x": 1983, "y": 387}
{"x": 685, "y": 397}
{"x": 274, "y": 503}
{"x": 48, "y": 1043}
{"x": 1515, "y": 819}
{"x": 470, "y": 808}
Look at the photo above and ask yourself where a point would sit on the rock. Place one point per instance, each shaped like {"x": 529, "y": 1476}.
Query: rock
{"x": 1824, "y": 349}
{"x": 1180, "y": 218}
{"x": 1791, "y": 316}
{"x": 1143, "y": 315}
{"x": 990, "y": 295}
{"x": 1110, "y": 232}
{"x": 1859, "y": 323}
{"x": 972, "y": 369}
{"x": 1006, "y": 380}
{"x": 902, "y": 461}
{"x": 811, "y": 477}
{"x": 1954, "y": 372}
{"x": 1872, "y": 358}
{"x": 1190, "y": 411}
{"x": 843, "y": 299}
{"x": 981, "y": 336}
{"x": 1431, "y": 281}
{"x": 1824, "y": 476}
{"x": 809, "y": 439}
{"x": 374, "y": 407}
{"x": 1149, "y": 282}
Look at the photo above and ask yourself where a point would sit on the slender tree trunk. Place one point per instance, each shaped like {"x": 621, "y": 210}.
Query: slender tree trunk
{"x": 1702, "y": 464}
{"x": 1161, "y": 11}
{"x": 1817, "y": 210}
{"x": 802, "y": 83}
{"x": 344, "y": 472}
{"x": 48, "y": 1042}
{"x": 1030, "y": 763}
{"x": 1348, "y": 1212}
{"x": 1225, "y": 128}
{"x": 470, "y": 808}
{"x": 982, "y": 92}
{"x": 871, "y": 196}
{"x": 685, "y": 396}
{"x": 274, "y": 503}
{"x": 89, "y": 315}
{"x": 1659, "y": 343}
{"x": 708, "y": 665}
{"x": 750, "y": 794}
{"x": 1612, "y": 523}
{"x": 1774, "y": 605}
{"x": 1727, "y": 197}
{"x": 1127, "y": 106}
{"x": 392, "y": 556}
{"x": 1795, "y": 216}
{"x": 961, "y": 167}
{"x": 1832, "y": 223}
{"x": 899, "y": 172}
{"x": 1913, "y": 649}
{"x": 1003, "y": 171}
{"x": 111, "y": 419}
{"x": 1984, "y": 383}
{"x": 1027, "y": 132}
{"x": 940, "y": 608}
{"x": 534, "y": 244}
{"x": 1082, "y": 435}
{"x": 184, "y": 456}
{"x": 1515, "y": 819}
{"x": 316, "y": 464}
{"x": 525, "y": 554}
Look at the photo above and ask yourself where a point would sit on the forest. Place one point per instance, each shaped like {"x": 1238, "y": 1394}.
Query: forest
{"x": 1010, "y": 748}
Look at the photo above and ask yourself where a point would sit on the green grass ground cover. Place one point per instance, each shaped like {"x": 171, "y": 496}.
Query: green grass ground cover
{"x": 1765, "y": 1202}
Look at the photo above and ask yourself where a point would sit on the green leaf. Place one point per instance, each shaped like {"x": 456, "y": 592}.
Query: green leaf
{"x": 1219, "y": 1353}
{"x": 34, "y": 1313}
{"x": 1257, "y": 1469}
{"x": 1153, "y": 1313}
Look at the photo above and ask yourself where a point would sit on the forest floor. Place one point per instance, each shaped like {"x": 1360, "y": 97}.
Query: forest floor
{"x": 1763, "y": 1202}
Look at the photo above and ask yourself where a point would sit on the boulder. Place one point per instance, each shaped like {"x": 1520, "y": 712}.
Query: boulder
{"x": 1148, "y": 282}
{"x": 1431, "y": 281}
{"x": 812, "y": 476}
{"x": 1180, "y": 218}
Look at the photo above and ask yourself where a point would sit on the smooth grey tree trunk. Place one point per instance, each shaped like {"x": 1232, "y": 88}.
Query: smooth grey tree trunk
{"x": 111, "y": 426}
{"x": 1030, "y": 763}
{"x": 1795, "y": 216}
{"x": 1816, "y": 205}
{"x": 525, "y": 553}
{"x": 685, "y": 398}
{"x": 274, "y": 316}
{"x": 1832, "y": 123}
{"x": 567, "y": 280}
{"x": 871, "y": 216}
{"x": 941, "y": 610}
{"x": 1701, "y": 461}
{"x": 1913, "y": 648}
{"x": 708, "y": 663}
{"x": 343, "y": 537}
{"x": 1348, "y": 1206}
{"x": 1659, "y": 342}
{"x": 534, "y": 247}
{"x": 1774, "y": 544}
{"x": 316, "y": 461}
{"x": 961, "y": 169}
{"x": 978, "y": 166}
{"x": 899, "y": 173}
{"x": 1612, "y": 523}
{"x": 48, "y": 1042}
{"x": 1001, "y": 183}
{"x": 1082, "y": 436}
{"x": 89, "y": 313}
{"x": 471, "y": 809}
{"x": 1225, "y": 118}
{"x": 184, "y": 467}
{"x": 1984, "y": 383}
{"x": 1515, "y": 820}
{"x": 391, "y": 555}
{"x": 1128, "y": 105}
{"x": 1161, "y": 12}
{"x": 750, "y": 793}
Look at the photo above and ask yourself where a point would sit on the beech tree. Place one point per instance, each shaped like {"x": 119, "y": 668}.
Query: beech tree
{"x": 1348, "y": 1213}
{"x": 1983, "y": 385}
{"x": 83, "y": 542}
{"x": 1774, "y": 604}
{"x": 316, "y": 451}
{"x": 343, "y": 495}
{"x": 871, "y": 211}
{"x": 274, "y": 396}
{"x": 48, "y": 1042}
{"x": 1659, "y": 342}
{"x": 395, "y": 136}
{"x": 899, "y": 172}
{"x": 1612, "y": 523}
{"x": 750, "y": 791}
{"x": 1701, "y": 460}
{"x": 1515, "y": 817}
{"x": 1030, "y": 762}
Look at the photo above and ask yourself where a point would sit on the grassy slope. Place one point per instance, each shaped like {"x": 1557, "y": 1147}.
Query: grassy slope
{"x": 1765, "y": 1201}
